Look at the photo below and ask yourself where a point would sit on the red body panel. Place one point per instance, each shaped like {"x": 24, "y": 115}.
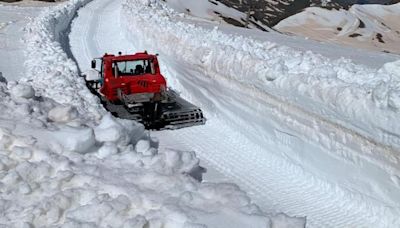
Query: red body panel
{"x": 143, "y": 83}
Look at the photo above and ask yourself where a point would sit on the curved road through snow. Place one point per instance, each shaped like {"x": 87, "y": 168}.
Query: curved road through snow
{"x": 273, "y": 181}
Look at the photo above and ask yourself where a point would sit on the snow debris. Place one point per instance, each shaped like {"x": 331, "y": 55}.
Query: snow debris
{"x": 62, "y": 113}
{"x": 66, "y": 162}
{"x": 75, "y": 139}
{"x": 117, "y": 131}
{"x": 22, "y": 91}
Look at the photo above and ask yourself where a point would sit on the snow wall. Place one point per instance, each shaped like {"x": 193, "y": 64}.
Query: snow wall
{"x": 354, "y": 145}
{"x": 65, "y": 162}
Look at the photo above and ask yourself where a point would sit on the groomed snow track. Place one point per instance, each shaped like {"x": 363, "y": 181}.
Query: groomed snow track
{"x": 225, "y": 143}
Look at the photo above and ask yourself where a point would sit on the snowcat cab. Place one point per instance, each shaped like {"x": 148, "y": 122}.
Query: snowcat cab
{"x": 132, "y": 87}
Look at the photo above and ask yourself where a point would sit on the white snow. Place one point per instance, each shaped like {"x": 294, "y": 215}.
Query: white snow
{"x": 284, "y": 73}
{"x": 13, "y": 19}
{"x": 303, "y": 133}
{"x": 62, "y": 113}
{"x": 22, "y": 91}
{"x": 66, "y": 162}
{"x": 329, "y": 118}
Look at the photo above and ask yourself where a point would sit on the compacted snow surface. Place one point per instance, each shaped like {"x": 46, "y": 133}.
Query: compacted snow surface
{"x": 66, "y": 162}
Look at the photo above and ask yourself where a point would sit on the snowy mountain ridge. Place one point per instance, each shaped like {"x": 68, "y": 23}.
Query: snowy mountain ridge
{"x": 370, "y": 26}
{"x": 271, "y": 12}
{"x": 365, "y": 26}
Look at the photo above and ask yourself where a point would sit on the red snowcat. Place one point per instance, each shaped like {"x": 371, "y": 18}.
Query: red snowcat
{"x": 132, "y": 87}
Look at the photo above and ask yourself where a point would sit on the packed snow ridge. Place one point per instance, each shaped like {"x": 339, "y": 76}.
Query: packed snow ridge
{"x": 66, "y": 162}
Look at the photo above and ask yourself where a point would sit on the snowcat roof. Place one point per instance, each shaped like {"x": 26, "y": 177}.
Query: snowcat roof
{"x": 137, "y": 56}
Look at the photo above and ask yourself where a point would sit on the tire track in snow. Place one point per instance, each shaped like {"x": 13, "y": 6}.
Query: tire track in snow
{"x": 276, "y": 185}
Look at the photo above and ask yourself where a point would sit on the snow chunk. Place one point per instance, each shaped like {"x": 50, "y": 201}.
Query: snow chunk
{"x": 63, "y": 113}
{"x": 121, "y": 132}
{"x": 107, "y": 149}
{"x": 142, "y": 146}
{"x": 22, "y": 153}
{"x": 380, "y": 95}
{"x": 394, "y": 99}
{"x": 75, "y": 139}
{"x": 393, "y": 68}
{"x": 22, "y": 91}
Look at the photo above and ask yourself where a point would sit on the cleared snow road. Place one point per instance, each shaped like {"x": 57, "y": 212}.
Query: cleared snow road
{"x": 251, "y": 150}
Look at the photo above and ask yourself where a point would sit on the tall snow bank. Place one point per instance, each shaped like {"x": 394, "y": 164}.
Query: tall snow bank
{"x": 339, "y": 90}
{"x": 49, "y": 69}
{"x": 65, "y": 162}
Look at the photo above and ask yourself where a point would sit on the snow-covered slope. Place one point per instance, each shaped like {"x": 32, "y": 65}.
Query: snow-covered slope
{"x": 65, "y": 162}
{"x": 331, "y": 118}
{"x": 214, "y": 11}
{"x": 373, "y": 27}
{"x": 368, "y": 26}
{"x": 268, "y": 12}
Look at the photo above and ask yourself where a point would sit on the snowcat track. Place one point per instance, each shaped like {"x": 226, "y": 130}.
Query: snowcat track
{"x": 178, "y": 114}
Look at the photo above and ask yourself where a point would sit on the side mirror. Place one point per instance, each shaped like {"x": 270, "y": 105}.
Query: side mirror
{"x": 93, "y": 64}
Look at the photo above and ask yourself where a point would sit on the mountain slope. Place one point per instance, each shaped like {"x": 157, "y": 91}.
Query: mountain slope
{"x": 271, "y": 12}
{"x": 363, "y": 25}
{"x": 366, "y": 26}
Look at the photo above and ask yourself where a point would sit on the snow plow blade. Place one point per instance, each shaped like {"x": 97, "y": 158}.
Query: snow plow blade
{"x": 181, "y": 114}
{"x": 172, "y": 114}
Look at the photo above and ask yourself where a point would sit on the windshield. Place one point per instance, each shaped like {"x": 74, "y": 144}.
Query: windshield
{"x": 132, "y": 68}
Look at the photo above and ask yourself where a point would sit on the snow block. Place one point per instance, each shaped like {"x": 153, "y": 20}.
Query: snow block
{"x": 22, "y": 91}
{"x": 107, "y": 149}
{"x": 63, "y": 114}
{"x": 75, "y": 139}
{"x": 142, "y": 146}
{"x": 118, "y": 131}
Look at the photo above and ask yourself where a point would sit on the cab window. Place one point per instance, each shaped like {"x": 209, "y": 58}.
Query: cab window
{"x": 132, "y": 68}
